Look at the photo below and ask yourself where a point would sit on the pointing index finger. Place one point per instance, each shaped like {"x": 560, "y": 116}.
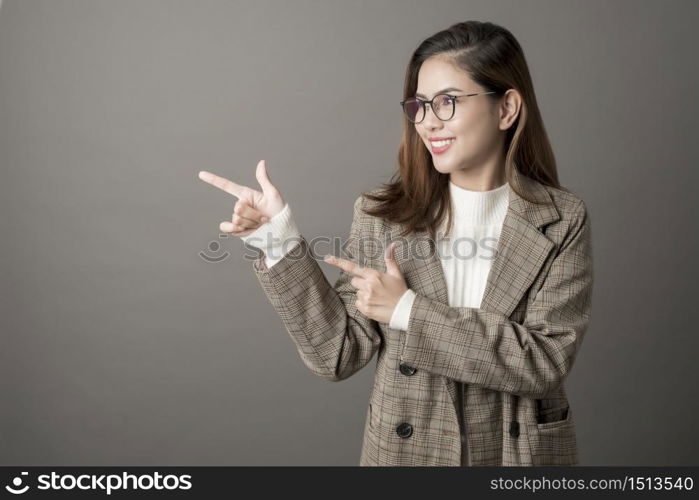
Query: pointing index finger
{"x": 347, "y": 266}
{"x": 222, "y": 183}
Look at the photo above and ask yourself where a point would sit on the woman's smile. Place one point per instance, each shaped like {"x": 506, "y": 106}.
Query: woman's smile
{"x": 439, "y": 147}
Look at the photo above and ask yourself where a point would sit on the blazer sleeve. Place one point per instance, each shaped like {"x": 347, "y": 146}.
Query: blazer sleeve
{"x": 332, "y": 337}
{"x": 486, "y": 349}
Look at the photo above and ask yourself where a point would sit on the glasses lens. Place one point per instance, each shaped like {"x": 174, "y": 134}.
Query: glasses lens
{"x": 413, "y": 110}
{"x": 443, "y": 106}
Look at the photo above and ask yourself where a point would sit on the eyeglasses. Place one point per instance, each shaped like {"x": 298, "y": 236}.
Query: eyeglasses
{"x": 443, "y": 106}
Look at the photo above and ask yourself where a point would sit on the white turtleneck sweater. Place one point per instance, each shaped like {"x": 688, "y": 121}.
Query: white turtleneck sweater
{"x": 466, "y": 256}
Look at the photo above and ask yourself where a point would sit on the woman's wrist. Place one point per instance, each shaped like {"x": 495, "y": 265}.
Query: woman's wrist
{"x": 272, "y": 236}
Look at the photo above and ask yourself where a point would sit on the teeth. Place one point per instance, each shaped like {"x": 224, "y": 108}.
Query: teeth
{"x": 439, "y": 144}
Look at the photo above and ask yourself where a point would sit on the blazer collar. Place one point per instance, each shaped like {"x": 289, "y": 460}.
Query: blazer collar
{"x": 520, "y": 253}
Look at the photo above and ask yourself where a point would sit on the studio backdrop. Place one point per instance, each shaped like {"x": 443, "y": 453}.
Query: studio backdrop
{"x": 134, "y": 330}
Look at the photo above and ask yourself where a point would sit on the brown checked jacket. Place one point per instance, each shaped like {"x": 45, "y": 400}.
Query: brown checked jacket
{"x": 509, "y": 357}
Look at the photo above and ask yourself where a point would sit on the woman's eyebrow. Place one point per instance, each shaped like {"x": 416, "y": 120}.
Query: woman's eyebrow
{"x": 448, "y": 89}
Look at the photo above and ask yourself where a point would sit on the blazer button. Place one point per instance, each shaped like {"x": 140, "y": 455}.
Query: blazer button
{"x": 404, "y": 430}
{"x": 407, "y": 370}
{"x": 514, "y": 429}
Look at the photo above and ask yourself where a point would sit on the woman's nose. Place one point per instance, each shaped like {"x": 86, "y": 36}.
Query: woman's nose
{"x": 430, "y": 119}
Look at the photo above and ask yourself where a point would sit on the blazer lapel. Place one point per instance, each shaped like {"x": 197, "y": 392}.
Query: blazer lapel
{"x": 521, "y": 251}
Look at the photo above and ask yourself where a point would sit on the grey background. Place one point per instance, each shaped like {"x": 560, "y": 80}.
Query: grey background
{"x": 121, "y": 345}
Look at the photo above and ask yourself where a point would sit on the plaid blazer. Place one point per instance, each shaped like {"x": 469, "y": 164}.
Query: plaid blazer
{"x": 510, "y": 356}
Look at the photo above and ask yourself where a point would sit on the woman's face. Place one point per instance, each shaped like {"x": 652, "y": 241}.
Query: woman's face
{"x": 474, "y": 126}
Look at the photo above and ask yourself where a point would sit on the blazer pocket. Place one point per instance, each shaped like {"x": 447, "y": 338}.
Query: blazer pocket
{"x": 553, "y": 417}
{"x": 554, "y": 442}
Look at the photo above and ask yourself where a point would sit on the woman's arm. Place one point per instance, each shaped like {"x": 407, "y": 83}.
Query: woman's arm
{"x": 486, "y": 349}
{"x": 332, "y": 337}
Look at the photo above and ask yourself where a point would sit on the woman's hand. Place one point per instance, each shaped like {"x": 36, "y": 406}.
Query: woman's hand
{"x": 377, "y": 293}
{"x": 253, "y": 207}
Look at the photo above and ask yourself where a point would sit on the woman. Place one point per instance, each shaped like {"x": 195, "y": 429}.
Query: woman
{"x": 479, "y": 306}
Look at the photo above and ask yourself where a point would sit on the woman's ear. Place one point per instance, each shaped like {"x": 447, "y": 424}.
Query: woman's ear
{"x": 510, "y": 105}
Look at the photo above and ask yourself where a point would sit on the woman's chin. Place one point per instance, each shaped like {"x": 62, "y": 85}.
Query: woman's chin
{"x": 442, "y": 168}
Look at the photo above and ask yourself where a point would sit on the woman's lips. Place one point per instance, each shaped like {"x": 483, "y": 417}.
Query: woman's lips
{"x": 439, "y": 150}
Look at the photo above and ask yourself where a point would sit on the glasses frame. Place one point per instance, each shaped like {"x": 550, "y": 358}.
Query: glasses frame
{"x": 453, "y": 98}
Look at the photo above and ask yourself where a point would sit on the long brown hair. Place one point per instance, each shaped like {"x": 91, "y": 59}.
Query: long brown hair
{"x": 417, "y": 195}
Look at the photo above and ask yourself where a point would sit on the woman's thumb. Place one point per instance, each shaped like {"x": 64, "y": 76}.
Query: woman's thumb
{"x": 263, "y": 178}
